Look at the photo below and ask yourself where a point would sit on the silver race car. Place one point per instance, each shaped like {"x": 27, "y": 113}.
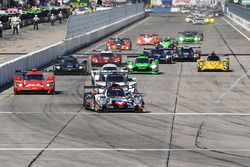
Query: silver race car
{"x": 113, "y": 98}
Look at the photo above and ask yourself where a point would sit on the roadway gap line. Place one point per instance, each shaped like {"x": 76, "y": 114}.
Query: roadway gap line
{"x": 120, "y": 149}
{"x": 113, "y": 114}
{"x": 173, "y": 119}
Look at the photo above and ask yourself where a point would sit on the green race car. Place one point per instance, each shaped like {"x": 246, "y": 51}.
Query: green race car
{"x": 190, "y": 37}
{"x": 167, "y": 43}
{"x": 143, "y": 65}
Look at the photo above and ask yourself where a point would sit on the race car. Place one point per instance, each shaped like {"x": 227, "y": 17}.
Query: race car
{"x": 104, "y": 71}
{"x": 209, "y": 20}
{"x": 189, "y": 19}
{"x": 168, "y": 43}
{"x": 33, "y": 81}
{"x": 190, "y": 37}
{"x": 113, "y": 98}
{"x": 213, "y": 62}
{"x": 119, "y": 78}
{"x": 160, "y": 54}
{"x": 199, "y": 20}
{"x": 143, "y": 64}
{"x": 183, "y": 53}
{"x": 105, "y": 57}
{"x": 119, "y": 44}
{"x": 148, "y": 39}
{"x": 70, "y": 65}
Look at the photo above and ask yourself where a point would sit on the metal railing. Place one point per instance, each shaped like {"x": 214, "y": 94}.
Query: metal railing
{"x": 81, "y": 24}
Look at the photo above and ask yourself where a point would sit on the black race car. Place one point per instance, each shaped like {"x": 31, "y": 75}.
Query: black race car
{"x": 186, "y": 53}
{"x": 70, "y": 65}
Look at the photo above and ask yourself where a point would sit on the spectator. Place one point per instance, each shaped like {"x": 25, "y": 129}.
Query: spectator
{"x": 1, "y": 29}
{"x": 15, "y": 24}
{"x": 36, "y": 20}
{"x": 60, "y": 16}
{"x": 52, "y": 19}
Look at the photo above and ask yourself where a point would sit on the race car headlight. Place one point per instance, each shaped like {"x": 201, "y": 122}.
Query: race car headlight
{"x": 130, "y": 66}
{"x": 225, "y": 63}
{"x": 94, "y": 60}
{"x": 58, "y": 67}
{"x": 196, "y": 55}
{"x": 154, "y": 66}
{"x": 167, "y": 56}
{"x": 18, "y": 84}
{"x": 206, "y": 20}
{"x": 80, "y": 67}
{"x": 201, "y": 63}
{"x": 50, "y": 84}
{"x": 137, "y": 100}
{"x": 103, "y": 100}
{"x": 196, "y": 38}
{"x": 181, "y": 39}
{"x": 187, "y": 19}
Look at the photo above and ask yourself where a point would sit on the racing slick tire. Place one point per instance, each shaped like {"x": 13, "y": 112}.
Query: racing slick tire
{"x": 16, "y": 92}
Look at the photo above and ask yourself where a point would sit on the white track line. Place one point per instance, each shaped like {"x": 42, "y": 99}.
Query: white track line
{"x": 123, "y": 113}
{"x": 244, "y": 35}
{"x": 120, "y": 149}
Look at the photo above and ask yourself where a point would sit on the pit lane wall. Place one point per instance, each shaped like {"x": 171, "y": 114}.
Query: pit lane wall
{"x": 240, "y": 15}
{"x": 47, "y": 55}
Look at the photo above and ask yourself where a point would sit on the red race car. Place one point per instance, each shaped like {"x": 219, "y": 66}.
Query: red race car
{"x": 33, "y": 81}
{"x": 119, "y": 44}
{"x": 148, "y": 39}
{"x": 105, "y": 57}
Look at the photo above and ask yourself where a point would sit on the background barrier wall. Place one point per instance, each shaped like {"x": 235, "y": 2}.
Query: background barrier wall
{"x": 239, "y": 10}
{"x": 47, "y": 55}
{"x": 78, "y": 25}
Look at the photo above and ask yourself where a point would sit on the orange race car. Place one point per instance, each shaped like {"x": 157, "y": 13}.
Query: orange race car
{"x": 148, "y": 39}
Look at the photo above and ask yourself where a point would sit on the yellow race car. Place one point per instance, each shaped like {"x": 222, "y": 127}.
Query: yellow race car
{"x": 210, "y": 20}
{"x": 213, "y": 63}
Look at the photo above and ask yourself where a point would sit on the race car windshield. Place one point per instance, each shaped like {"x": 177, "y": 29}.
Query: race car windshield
{"x": 33, "y": 77}
{"x": 213, "y": 58}
{"x": 109, "y": 68}
{"x": 189, "y": 35}
{"x": 118, "y": 78}
{"x": 114, "y": 93}
{"x": 186, "y": 50}
{"x": 70, "y": 62}
{"x": 141, "y": 61}
{"x": 157, "y": 52}
{"x": 118, "y": 41}
{"x": 106, "y": 55}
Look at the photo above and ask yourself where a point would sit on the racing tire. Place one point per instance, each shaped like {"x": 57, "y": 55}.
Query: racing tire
{"x": 96, "y": 109}
{"x": 16, "y": 92}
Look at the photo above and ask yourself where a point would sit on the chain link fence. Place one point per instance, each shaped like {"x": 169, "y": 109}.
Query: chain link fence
{"x": 240, "y": 11}
{"x": 81, "y": 24}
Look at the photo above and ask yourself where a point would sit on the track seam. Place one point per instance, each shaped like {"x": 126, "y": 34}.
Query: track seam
{"x": 173, "y": 119}
{"x": 53, "y": 139}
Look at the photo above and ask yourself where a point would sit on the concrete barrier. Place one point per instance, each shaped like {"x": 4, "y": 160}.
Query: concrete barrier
{"x": 242, "y": 22}
{"x": 47, "y": 55}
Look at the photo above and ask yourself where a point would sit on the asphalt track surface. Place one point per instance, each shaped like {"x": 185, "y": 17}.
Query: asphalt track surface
{"x": 191, "y": 119}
